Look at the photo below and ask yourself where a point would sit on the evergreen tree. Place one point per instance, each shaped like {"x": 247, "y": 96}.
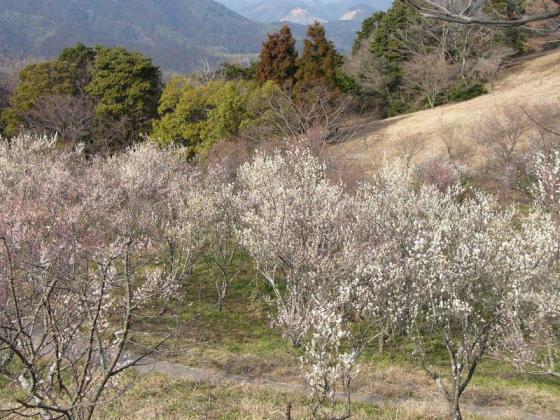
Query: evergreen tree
{"x": 368, "y": 26}
{"x": 278, "y": 59}
{"x": 79, "y": 64}
{"x": 198, "y": 116}
{"x": 124, "y": 86}
{"x": 319, "y": 63}
{"x": 36, "y": 81}
{"x": 127, "y": 86}
{"x": 386, "y": 43}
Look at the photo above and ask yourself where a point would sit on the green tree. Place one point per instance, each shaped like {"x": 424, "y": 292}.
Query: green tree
{"x": 127, "y": 86}
{"x": 124, "y": 86}
{"x": 79, "y": 64}
{"x": 196, "y": 117}
{"x": 231, "y": 72}
{"x": 386, "y": 44}
{"x": 36, "y": 81}
{"x": 368, "y": 26}
{"x": 278, "y": 59}
{"x": 320, "y": 63}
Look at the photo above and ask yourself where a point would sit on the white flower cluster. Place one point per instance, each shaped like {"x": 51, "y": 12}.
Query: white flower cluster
{"x": 446, "y": 263}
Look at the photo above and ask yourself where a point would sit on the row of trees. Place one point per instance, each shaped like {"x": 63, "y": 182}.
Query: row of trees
{"x": 449, "y": 268}
{"x": 284, "y": 95}
{"x": 319, "y": 65}
{"x": 106, "y": 98}
{"x": 92, "y": 248}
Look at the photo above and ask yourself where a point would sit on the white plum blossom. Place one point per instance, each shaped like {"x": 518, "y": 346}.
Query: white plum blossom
{"x": 299, "y": 229}
{"x": 447, "y": 262}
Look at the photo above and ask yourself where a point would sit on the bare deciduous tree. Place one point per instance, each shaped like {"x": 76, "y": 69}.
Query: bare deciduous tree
{"x": 473, "y": 12}
{"x": 206, "y": 72}
{"x": 71, "y": 118}
{"x": 501, "y": 136}
{"x": 429, "y": 75}
{"x": 293, "y": 118}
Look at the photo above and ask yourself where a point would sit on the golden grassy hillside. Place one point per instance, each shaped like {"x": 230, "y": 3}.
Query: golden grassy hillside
{"x": 528, "y": 83}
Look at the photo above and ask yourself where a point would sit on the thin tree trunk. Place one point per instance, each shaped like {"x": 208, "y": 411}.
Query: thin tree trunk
{"x": 456, "y": 409}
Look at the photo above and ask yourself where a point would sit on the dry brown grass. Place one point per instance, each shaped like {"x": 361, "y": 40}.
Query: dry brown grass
{"x": 527, "y": 84}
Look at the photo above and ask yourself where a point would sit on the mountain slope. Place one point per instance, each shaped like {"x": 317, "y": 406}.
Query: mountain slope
{"x": 176, "y": 33}
{"x": 532, "y": 81}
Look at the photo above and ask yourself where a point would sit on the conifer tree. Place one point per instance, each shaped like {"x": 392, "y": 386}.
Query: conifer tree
{"x": 319, "y": 63}
{"x": 278, "y": 59}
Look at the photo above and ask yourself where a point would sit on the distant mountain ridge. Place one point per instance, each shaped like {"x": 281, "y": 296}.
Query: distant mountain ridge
{"x": 176, "y": 33}
{"x": 300, "y": 11}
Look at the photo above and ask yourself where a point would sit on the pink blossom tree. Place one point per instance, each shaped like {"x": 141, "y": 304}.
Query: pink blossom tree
{"x": 82, "y": 267}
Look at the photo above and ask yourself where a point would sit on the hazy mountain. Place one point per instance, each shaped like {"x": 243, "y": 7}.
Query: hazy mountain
{"x": 301, "y": 16}
{"x": 176, "y": 33}
{"x": 299, "y": 11}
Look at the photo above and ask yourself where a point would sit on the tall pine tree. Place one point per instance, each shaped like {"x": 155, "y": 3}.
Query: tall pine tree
{"x": 278, "y": 59}
{"x": 319, "y": 63}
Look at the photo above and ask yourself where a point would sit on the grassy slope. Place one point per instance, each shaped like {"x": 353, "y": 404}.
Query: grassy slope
{"x": 530, "y": 82}
{"x": 238, "y": 341}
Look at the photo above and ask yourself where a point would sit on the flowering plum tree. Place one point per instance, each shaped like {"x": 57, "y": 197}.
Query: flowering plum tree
{"x": 448, "y": 263}
{"x": 81, "y": 266}
{"x": 299, "y": 229}
{"x": 531, "y": 337}
{"x": 221, "y": 220}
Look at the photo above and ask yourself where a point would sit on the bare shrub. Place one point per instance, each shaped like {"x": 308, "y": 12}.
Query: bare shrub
{"x": 457, "y": 150}
{"x": 489, "y": 65}
{"x": 501, "y": 136}
{"x": 545, "y": 119}
{"x": 71, "y": 118}
{"x": 429, "y": 75}
{"x": 409, "y": 148}
{"x": 440, "y": 173}
{"x": 291, "y": 117}
{"x": 230, "y": 154}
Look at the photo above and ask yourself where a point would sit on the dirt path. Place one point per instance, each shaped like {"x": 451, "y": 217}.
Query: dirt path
{"x": 179, "y": 371}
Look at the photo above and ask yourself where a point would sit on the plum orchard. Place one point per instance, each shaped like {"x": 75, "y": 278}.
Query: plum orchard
{"x": 89, "y": 248}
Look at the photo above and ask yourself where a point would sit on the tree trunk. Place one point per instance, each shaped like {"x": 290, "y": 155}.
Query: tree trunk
{"x": 456, "y": 409}
{"x": 455, "y": 399}
{"x": 381, "y": 343}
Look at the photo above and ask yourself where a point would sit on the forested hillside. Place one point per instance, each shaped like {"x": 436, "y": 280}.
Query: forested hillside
{"x": 176, "y": 33}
